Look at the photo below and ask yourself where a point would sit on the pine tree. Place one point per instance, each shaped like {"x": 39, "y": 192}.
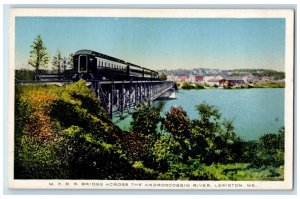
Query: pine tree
{"x": 70, "y": 61}
{"x": 57, "y": 61}
{"x": 38, "y": 55}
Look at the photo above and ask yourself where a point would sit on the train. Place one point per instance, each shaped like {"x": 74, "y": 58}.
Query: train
{"x": 92, "y": 65}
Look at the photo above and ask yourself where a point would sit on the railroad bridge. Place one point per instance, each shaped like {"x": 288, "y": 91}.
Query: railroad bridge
{"x": 119, "y": 97}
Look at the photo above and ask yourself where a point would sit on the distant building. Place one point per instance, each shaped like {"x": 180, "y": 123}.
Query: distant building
{"x": 219, "y": 77}
{"x": 213, "y": 82}
{"x": 210, "y": 77}
{"x": 183, "y": 78}
{"x": 199, "y": 78}
{"x": 172, "y": 78}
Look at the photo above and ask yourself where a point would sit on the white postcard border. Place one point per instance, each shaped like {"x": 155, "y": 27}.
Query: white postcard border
{"x": 287, "y": 184}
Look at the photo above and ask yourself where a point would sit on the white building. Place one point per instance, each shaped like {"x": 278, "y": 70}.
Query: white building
{"x": 172, "y": 78}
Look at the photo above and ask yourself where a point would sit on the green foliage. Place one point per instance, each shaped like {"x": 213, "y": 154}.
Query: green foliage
{"x": 270, "y": 150}
{"x": 145, "y": 120}
{"x": 269, "y": 84}
{"x": 38, "y": 54}
{"x": 138, "y": 143}
{"x": 278, "y": 75}
{"x": 200, "y": 86}
{"x": 24, "y": 74}
{"x": 74, "y": 137}
{"x": 187, "y": 85}
{"x": 163, "y": 76}
{"x": 36, "y": 160}
{"x": 88, "y": 157}
{"x": 213, "y": 140}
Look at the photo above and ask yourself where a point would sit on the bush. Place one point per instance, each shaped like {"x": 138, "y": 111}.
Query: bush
{"x": 65, "y": 133}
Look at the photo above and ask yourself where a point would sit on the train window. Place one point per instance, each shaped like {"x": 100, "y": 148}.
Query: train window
{"x": 83, "y": 63}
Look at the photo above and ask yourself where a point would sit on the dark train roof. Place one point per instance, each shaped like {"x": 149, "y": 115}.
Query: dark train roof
{"x": 128, "y": 63}
{"x": 90, "y": 52}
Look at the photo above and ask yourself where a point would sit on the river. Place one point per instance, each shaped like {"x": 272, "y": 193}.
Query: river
{"x": 254, "y": 111}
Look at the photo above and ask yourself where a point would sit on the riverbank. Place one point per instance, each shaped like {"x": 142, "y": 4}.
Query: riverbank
{"x": 198, "y": 86}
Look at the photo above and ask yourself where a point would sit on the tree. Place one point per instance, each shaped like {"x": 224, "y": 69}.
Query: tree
{"x": 138, "y": 143}
{"x": 213, "y": 140}
{"x": 177, "y": 123}
{"x": 163, "y": 76}
{"x": 145, "y": 120}
{"x": 58, "y": 61}
{"x": 70, "y": 61}
{"x": 270, "y": 150}
{"x": 38, "y": 55}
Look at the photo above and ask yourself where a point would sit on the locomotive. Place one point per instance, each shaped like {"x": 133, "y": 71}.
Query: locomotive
{"x": 91, "y": 65}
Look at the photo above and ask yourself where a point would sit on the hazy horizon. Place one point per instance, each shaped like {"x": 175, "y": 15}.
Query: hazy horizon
{"x": 161, "y": 43}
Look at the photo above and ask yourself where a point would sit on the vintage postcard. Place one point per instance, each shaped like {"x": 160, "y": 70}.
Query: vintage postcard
{"x": 184, "y": 99}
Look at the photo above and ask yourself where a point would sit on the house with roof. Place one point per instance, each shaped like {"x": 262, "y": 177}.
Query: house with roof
{"x": 199, "y": 78}
{"x": 213, "y": 82}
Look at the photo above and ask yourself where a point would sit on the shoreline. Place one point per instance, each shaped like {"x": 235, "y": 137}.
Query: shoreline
{"x": 228, "y": 88}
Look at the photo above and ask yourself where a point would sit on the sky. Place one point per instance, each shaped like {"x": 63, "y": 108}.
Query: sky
{"x": 161, "y": 43}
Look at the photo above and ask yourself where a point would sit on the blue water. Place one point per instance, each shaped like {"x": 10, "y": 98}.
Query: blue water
{"x": 254, "y": 111}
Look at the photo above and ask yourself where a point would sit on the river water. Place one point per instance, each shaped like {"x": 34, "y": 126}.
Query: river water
{"x": 254, "y": 111}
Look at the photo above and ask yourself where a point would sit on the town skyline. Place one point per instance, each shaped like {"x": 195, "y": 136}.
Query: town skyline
{"x": 161, "y": 43}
